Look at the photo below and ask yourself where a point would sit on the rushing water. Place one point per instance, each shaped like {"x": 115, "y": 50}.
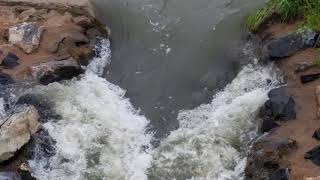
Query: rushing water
{"x": 174, "y": 54}
{"x": 193, "y": 86}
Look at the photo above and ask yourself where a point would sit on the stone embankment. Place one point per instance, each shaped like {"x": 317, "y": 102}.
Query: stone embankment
{"x": 41, "y": 42}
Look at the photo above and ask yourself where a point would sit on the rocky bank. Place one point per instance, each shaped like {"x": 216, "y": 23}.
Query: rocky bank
{"x": 41, "y": 42}
{"x": 289, "y": 146}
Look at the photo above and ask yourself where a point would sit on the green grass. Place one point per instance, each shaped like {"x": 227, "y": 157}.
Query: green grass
{"x": 287, "y": 11}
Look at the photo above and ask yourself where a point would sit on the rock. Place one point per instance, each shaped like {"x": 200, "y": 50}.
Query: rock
{"x": 281, "y": 174}
{"x": 267, "y": 125}
{"x": 17, "y": 131}
{"x": 26, "y": 36}
{"x": 54, "y": 71}
{"x": 43, "y": 105}
{"x": 83, "y": 21}
{"x": 309, "y": 78}
{"x": 25, "y": 172}
{"x": 288, "y": 45}
{"x": 5, "y": 79}
{"x": 314, "y": 155}
{"x": 303, "y": 66}
{"x": 9, "y": 176}
{"x": 316, "y": 134}
{"x": 8, "y": 59}
{"x": 264, "y": 158}
{"x": 280, "y": 105}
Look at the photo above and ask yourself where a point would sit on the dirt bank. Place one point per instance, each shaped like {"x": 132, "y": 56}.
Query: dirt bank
{"x": 302, "y": 128}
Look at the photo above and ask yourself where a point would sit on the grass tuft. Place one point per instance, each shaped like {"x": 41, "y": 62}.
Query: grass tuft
{"x": 287, "y": 10}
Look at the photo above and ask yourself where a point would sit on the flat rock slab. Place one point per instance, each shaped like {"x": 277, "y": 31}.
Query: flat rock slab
{"x": 17, "y": 131}
{"x": 26, "y": 36}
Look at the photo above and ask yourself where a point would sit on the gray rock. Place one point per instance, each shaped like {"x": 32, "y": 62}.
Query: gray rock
{"x": 5, "y": 79}
{"x": 17, "y": 131}
{"x": 9, "y": 176}
{"x": 264, "y": 159}
{"x": 54, "y": 71}
{"x": 288, "y": 45}
{"x": 280, "y": 105}
{"x": 26, "y": 36}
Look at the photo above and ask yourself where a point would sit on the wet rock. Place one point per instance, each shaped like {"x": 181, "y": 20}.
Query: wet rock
{"x": 55, "y": 71}
{"x": 17, "y": 131}
{"x": 281, "y": 174}
{"x": 83, "y": 21}
{"x": 41, "y": 146}
{"x": 26, "y": 36}
{"x": 288, "y": 45}
{"x": 267, "y": 125}
{"x": 303, "y": 66}
{"x": 8, "y": 59}
{"x": 280, "y": 105}
{"x": 314, "y": 155}
{"x": 25, "y": 172}
{"x": 264, "y": 158}
{"x": 5, "y": 79}
{"x": 316, "y": 135}
{"x": 9, "y": 176}
{"x": 42, "y": 104}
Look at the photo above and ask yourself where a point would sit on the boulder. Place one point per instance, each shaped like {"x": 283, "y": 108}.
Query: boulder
{"x": 42, "y": 104}
{"x": 5, "y": 79}
{"x": 17, "y": 131}
{"x": 263, "y": 162}
{"x": 267, "y": 125}
{"x": 26, "y": 36}
{"x": 290, "y": 44}
{"x": 8, "y": 59}
{"x": 54, "y": 71}
{"x": 9, "y": 176}
{"x": 314, "y": 155}
{"x": 280, "y": 105}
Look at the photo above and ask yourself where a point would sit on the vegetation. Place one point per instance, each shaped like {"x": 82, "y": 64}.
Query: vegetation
{"x": 287, "y": 10}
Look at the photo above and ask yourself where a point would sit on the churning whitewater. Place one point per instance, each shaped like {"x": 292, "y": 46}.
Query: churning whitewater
{"x": 102, "y": 136}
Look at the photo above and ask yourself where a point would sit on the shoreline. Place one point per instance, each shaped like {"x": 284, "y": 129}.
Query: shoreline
{"x": 41, "y": 42}
{"x": 291, "y": 164}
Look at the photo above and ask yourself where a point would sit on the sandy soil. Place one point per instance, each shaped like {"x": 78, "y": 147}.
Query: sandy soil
{"x": 302, "y": 128}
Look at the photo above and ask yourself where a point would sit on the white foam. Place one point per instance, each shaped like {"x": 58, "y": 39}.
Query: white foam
{"x": 208, "y": 143}
{"x": 100, "y": 136}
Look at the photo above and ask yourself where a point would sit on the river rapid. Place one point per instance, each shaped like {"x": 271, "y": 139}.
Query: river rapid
{"x": 173, "y": 95}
